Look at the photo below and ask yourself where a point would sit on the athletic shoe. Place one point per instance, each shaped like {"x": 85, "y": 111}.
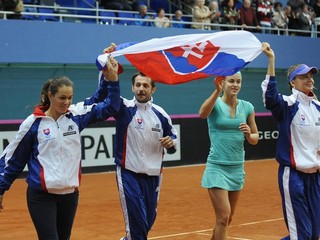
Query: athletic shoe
{"x": 123, "y": 238}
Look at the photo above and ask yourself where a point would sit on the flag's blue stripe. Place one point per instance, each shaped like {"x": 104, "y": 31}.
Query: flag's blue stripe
{"x": 224, "y": 64}
{"x": 180, "y": 64}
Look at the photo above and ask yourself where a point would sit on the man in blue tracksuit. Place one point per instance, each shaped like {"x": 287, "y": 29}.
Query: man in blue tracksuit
{"x": 298, "y": 147}
{"x": 143, "y": 130}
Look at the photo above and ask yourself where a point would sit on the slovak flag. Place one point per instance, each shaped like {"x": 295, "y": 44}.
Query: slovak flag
{"x": 183, "y": 58}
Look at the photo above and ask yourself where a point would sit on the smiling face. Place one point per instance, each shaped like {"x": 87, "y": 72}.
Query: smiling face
{"x": 304, "y": 83}
{"x": 143, "y": 88}
{"x": 232, "y": 85}
{"x": 61, "y": 101}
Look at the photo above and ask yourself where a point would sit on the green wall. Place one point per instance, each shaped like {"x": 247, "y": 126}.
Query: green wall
{"x": 21, "y": 84}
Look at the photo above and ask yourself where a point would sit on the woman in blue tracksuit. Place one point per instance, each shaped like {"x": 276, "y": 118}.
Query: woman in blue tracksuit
{"x": 298, "y": 147}
{"x": 49, "y": 143}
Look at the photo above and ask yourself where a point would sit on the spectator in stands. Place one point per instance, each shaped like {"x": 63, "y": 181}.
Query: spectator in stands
{"x": 255, "y": 4}
{"x": 215, "y": 17}
{"x": 305, "y": 20}
{"x": 265, "y": 12}
{"x": 116, "y": 5}
{"x": 230, "y": 14}
{"x": 15, "y": 6}
{"x": 201, "y": 15}
{"x": 292, "y": 20}
{"x": 143, "y": 15}
{"x": 279, "y": 18}
{"x": 296, "y": 7}
{"x": 178, "y": 18}
{"x": 161, "y": 21}
{"x": 248, "y": 17}
{"x": 230, "y": 121}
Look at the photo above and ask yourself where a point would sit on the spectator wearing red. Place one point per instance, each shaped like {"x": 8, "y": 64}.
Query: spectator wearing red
{"x": 265, "y": 11}
{"x": 248, "y": 17}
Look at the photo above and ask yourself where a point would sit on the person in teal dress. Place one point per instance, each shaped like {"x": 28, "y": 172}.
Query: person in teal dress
{"x": 230, "y": 122}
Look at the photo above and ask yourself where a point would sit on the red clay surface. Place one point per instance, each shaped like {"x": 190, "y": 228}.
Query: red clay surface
{"x": 184, "y": 211}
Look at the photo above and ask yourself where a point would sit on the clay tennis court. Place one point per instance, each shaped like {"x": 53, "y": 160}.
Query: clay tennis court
{"x": 184, "y": 210}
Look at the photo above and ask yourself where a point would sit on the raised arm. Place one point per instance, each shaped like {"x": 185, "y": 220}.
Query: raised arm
{"x": 270, "y": 54}
{"x": 207, "y": 106}
{"x": 104, "y": 78}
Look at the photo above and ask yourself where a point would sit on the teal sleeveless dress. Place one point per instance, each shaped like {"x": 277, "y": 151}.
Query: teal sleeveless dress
{"x": 225, "y": 162}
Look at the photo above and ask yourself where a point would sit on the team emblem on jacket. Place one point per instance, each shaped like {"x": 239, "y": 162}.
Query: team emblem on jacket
{"x": 46, "y": 132}
{"x": 303, "y": 120}
{"x": 139, "y": 123}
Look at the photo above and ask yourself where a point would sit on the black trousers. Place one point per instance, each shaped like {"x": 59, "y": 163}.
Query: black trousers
{"x": 52, "y": 214}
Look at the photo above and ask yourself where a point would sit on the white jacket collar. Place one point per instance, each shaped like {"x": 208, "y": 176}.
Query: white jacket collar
{"x": 144, "y": 106}
{"x": 302, "y": 97}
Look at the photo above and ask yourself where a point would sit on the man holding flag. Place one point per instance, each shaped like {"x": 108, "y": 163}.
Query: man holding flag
{"x": 143, "y": 131}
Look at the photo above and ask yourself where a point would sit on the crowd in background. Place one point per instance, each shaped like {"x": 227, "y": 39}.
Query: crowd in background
{"x": 253, "y": 15}
{"x": 265, "y": 16}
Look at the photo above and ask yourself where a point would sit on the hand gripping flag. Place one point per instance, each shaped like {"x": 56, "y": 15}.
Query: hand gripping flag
{"x": 183, "y": 58}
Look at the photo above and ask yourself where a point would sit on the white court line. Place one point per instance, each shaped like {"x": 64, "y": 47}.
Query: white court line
{"x": 239, "y": 238}
{"x": 180, "y": 234}
{"x": 252, "y": 223}
{"x": 206, "y": 230}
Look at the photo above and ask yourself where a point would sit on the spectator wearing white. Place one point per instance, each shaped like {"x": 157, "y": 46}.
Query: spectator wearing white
{"x": 161, "y": 20}
{"x": 201, "y": 15}
{"x": 279, "y": 18}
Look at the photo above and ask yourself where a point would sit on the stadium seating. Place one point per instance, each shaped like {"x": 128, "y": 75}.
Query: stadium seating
{"x": 106, "y": 20}
{"x": 46, "y": 17}
{"x": 125, "y": 15}
{"x": 30, "y": 17}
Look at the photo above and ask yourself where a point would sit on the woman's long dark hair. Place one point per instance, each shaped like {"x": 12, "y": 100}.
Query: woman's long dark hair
{"x": 52, "y": 86}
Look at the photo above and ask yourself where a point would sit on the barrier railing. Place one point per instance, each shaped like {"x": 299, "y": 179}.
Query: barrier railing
{"x": 96, "y": 15}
